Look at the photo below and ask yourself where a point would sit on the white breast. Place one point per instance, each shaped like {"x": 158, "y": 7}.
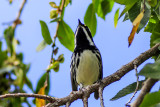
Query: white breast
{"x": 88, "y": 69}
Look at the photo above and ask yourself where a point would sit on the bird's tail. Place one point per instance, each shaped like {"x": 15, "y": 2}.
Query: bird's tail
{"x": 96, "y": 94}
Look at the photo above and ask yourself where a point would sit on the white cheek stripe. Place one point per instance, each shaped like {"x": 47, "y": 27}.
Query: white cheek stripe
{"x": 88, "y": 38}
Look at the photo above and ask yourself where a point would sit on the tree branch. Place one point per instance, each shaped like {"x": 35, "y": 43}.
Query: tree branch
{"x": 16, "y": 22}
{"x": 90, "y": 89}
{"x": 148, "y": 84}
{"x": 135, "y": 67}
{"x": 85, "y": 102}
{"x": 55, "y": 36}
{"x": 112, "y": 78}
{"x": 101, "y": 96}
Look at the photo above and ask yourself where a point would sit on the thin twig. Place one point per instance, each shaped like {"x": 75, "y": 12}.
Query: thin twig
{"x": 47, "y": 78}
{"x": 45, "y": 97}
{"x": 54, "y": 38}
{"x": 106, "y": 81}
{"x": 60, "y": 14}
{"x": 137, "y": 86}
{"x": 148, "y": 84}
{"x": 68, "y": 104}
{"x": 112, "y": 78}
{"x": 85, "y": 102}
{"x": 19, "y": 14}
{"x": 101, "y": 96}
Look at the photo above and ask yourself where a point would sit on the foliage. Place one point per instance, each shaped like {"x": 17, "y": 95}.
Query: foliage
{"x": 151, "y": 100}
{"x": 127, "y": 90}
{"x": 11, "y": 64}
{"x": 151, "y": 70}
{"x": 134, "y": 12}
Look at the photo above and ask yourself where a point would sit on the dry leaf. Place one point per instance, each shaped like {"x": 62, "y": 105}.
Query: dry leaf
{"x": 131, "y": 36}
{"x": 135, "y": 24}
{"x": 41, "y": 102}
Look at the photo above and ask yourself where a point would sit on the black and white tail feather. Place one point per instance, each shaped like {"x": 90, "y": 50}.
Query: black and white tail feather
{"x": 86, "y": 65}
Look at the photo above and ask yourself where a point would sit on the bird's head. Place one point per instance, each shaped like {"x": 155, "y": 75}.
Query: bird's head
{"x": 83, "y": 36}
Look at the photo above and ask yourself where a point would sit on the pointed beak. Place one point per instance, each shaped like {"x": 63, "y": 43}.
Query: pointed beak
{"x": 80, "y": 22}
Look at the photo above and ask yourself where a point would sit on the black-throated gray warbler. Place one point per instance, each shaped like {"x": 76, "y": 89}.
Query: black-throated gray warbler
{"x": 86, "y": 64}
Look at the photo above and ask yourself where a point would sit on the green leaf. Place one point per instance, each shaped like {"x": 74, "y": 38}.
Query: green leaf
{"x": 29, "y": 83}
{"x": 56, "y": 19}
{"x": 154, "y": 37}
{"x": 9, "y": 35}
{"x": 19, "y": 80}
{"x": 56, "y": 69}
{"x": 135, "y": 11}
{"x": 61, "y": 58}
{"x": 7, "y": 69}
{"x": 66, "y": 35}
{"x": 41, "y": 82}
{"x": 156, "y": 29}
{"x": 3, "y": 57}
{"x": 20, "y": 56}
{"x": 127, "y": 7}
{"x": 151, "y": 100}
{"x": 96, "y": 4}
{"x": 156, "y": 105}
{"x": 126, "y": 17}
{"x": 156, "y": 41}
{"x": 153, "y": 3}
{"x": 10, "y": 1}
{"x": 104, "y": 7}
{"x": 45, "y": 32}
{"x": 41, "y": 46}
{"x": 0, "y": 46}
{"x": 53, "y": 14}
{"x": 67, "y": 2}
{"x": 53, "y": 4}
{"x": 14, "y": 44}
{"x": 90, "y": 19}
{"x": 53, "y": 65}
{"x": 125, "y": 2}
{"x": 27, "y": 67}
{"x": 145, "y": 18}
{"x": 157, "y": 11}
{"x": 150, "y": 27}
{"x": 116, "y": 17}
{"x": 62, "y": 10}
{"x": 151, "y": 70}
{"x": 127, "y": 90}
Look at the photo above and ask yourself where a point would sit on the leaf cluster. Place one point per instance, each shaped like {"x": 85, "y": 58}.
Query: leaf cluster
{"x": 11, "y": 66}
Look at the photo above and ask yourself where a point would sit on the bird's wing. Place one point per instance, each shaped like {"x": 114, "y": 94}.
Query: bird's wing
{"x": 73, "y": 74}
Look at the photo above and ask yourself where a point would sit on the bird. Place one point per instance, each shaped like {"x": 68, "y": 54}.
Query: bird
{"x": 86, "y": 62}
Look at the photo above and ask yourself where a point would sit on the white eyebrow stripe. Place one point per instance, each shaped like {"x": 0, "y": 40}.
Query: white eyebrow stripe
{"x": 88, "y": 38}
{"x": 76, "y": 35}
{"x": 76, "y": 30}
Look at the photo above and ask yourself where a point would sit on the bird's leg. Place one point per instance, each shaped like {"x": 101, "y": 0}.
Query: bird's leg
{"x": 81, "y": 87}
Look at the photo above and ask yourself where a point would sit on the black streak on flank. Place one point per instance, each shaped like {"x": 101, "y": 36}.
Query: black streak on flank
{"x": 77, "y": 62}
